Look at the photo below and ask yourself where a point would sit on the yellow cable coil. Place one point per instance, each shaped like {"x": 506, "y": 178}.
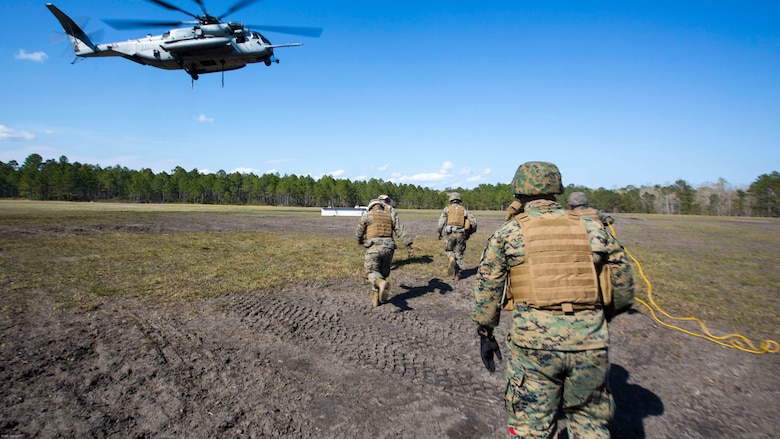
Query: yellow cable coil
{"x": 736, "y": 341}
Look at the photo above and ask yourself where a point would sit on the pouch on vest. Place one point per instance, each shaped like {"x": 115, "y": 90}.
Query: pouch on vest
{"x": 605, "y": 284}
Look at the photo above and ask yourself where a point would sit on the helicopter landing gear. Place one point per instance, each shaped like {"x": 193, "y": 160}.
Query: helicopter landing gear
{"x": 271, "y": 60}
{"x": 193, "y": 75}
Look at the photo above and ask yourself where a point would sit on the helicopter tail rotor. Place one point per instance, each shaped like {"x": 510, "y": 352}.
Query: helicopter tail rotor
{"x": 82, "y": 44}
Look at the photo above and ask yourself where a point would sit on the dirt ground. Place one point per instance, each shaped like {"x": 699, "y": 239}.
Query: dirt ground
{"x": 315, "y": 360}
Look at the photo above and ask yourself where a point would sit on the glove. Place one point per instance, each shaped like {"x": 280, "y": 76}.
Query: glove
{"x": 488, "y": 346}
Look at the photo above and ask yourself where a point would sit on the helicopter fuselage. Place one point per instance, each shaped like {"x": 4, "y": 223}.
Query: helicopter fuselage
{"x": 200, "y": 49}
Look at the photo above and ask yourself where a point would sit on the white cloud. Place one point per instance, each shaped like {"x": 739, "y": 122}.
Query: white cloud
{"x": 481, "y": 176}
{"x": 203, "y": 119}
{"x": 427, "y": 177}
{"x": 12, "y": 134}
{"x": 383, "y": 168}
{"x": 441, "y": 175}
{"x": 35, "y": 56}
{"x": 337, "y": 173}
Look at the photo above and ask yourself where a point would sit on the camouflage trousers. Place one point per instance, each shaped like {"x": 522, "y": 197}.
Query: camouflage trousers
{"x": 543, "y": 384}
{"x": 377, "y": 263}
{"x": 455, "y": 245}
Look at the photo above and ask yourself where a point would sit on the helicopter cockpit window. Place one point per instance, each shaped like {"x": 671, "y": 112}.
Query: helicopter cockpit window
{"x": 255, "y": 36}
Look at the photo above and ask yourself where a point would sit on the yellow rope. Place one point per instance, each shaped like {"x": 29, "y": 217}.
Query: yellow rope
{"x": 735, "y": 341}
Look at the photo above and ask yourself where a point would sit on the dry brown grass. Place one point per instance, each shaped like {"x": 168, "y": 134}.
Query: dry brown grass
{"x": 723, "y": 270}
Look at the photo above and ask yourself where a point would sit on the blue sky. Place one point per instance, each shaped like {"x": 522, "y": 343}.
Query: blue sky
{"x": 434, "y": 93}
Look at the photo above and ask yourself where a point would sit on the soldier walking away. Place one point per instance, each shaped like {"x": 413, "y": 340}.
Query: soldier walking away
{"x": 578, "y": 203}
{"x": 375, "y": 232}
{"x": 456, "y": 225}
{"x": 562, "y": 276}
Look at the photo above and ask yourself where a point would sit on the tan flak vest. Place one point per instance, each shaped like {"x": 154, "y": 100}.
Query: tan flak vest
{"x": 381, "y": 225}
{"x": 558, "y": 273}
{"x": 588, "y": 212}
{"x": 456, "y": 216}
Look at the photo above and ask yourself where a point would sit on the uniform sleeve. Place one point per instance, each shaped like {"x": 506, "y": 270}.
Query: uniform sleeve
{"x": 443, "y": 219}
{"x": 622, "y": 274}
{"x": 400, "y": 231}
{"x": 473, "y": 221}
{"x": 608, "y": 250}
{"x": 360, "y": 232}
{"x": 491, "y": 278}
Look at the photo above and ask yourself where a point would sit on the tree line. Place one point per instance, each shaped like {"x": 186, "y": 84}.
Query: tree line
{"x": 39, "y": 179}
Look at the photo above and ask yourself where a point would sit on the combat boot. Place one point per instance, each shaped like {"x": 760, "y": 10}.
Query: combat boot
{"x": 375, "y": 300}
{"x": 382, "y": 285}
{"x": 452, "y": 268}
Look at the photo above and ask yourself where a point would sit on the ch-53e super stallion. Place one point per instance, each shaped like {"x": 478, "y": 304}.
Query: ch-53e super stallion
{"x": 206, "y": 45}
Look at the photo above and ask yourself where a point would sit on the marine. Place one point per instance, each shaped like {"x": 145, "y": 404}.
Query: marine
{"x": 561, "y": 276}
{"x": 456, "y": 225}
{"x": 375, "y": 232}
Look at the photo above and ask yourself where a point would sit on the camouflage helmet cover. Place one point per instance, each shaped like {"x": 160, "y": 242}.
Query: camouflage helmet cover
{"x": 374, "y": 202}
{"x": 455, "y": 196}
{"x": 384, "y": 197}
{"x": 537, "y": 178}
{"x": 577, "y": 199}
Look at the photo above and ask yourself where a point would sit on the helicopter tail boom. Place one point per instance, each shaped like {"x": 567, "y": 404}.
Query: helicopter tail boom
{"x": 82, "y": 45}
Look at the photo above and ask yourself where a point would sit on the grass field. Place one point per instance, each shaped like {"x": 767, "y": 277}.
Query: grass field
{"x": 722, "y": 270}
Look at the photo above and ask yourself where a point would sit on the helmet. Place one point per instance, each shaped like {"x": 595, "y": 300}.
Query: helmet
{"x": 373, "y": 203}
{"x": 537, "y": 178}
{"x": 384, "y": 198}
{"x": 577, "y": 199}
{"x": 455, "y": 196}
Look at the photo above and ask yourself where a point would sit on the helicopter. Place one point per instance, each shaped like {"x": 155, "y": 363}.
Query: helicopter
{"x": 207, "y": 45}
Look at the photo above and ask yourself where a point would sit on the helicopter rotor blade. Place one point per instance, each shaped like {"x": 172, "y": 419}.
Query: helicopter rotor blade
{"x": 202, "y": 6}
{"x": 171, "y": 7}
{"x": 138, "y": 24}
{"x": 305, "y": 31}
{"x": 241, "y": 4}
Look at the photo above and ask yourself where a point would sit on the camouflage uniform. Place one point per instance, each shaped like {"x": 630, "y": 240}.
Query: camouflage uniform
{"x": 455, "y": 237}
{"x": 379, "y": 250}
{"x": 578, "y": 203}
{"x": 558, "y": 361}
